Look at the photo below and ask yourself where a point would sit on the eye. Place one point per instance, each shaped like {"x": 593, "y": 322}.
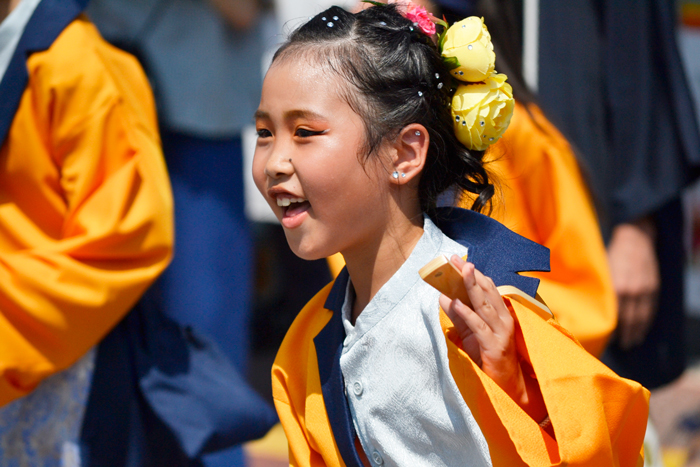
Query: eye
{"x": 263, "y": 133}
{"x": 304, "y": 133}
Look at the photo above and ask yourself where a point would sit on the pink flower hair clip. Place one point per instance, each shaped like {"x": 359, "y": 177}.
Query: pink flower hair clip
{"x": 418, "y": 15}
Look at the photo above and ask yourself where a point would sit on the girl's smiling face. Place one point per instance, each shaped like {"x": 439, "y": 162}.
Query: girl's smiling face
{"x": 307, "y": 163}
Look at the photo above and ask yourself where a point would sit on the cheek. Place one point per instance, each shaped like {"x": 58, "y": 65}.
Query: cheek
{"x": 259, "y": 176}
{"x": 320, "y": 178}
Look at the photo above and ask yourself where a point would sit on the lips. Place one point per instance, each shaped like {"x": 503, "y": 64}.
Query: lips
{"x": 294, "y": 214}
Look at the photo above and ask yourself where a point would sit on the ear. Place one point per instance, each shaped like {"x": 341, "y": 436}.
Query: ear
{"x": 410, "y": 152}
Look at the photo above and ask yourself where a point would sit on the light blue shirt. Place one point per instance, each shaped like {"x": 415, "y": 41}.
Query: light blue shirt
{"x": 405, "y": 405}
{"x": 11, "y": 30}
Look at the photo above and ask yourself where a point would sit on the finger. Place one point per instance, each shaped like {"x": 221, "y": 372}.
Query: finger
{"x": 637, "y": 324}
{"x": 458, "y": 261}
{"x": 636, "y": 310}
{"x": 501, "y": 321}
{"x": 461, "y": 327}
{"x": 479, "y": 298}
{"x": 470, "y": 344}
{"x": 481, "y": 330}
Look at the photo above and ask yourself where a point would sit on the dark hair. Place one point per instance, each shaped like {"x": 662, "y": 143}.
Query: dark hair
{"x": 401, "y": 78}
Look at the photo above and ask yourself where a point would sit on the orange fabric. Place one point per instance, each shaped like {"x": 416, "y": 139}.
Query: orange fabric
{"x": 336, "y": 263}
{"x": 543, "y": 197}
{"x": 85, "y": 206}
{"x": 296, "y": 390}
{"x": 599, "y": 419}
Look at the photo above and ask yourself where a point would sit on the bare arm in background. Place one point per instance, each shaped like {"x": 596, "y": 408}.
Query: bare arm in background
{"x": 239, "y": 14}
{"x": 635, "y": 273}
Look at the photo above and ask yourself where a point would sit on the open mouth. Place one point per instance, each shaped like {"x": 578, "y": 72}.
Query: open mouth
{"x": 292, "y": 207}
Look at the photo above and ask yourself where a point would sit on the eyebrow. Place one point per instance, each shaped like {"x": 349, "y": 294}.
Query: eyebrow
{"x": 261, "y": 115}
{"x": 291, "y": 115}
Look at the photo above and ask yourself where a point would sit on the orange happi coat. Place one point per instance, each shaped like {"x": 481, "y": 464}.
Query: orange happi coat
{"x": 598, "y": 418}
{"x": 85, "y": 206}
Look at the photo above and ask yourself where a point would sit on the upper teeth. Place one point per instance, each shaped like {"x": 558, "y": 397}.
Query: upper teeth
{"x": 288, "y": 201}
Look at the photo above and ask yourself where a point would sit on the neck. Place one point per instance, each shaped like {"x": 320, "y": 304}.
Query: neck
{"x": 371, "y": 266}
{"x": 6, "y": 7}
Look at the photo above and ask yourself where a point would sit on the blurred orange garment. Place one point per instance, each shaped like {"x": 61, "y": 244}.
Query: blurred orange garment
{"x": 598, "y": 418}
{"x": 544, "y": 198}
{"x": 85, "y": 206}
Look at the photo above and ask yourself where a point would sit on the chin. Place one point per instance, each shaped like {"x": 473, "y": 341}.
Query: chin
{"x": 306, "y": 254}
{"x": 305, "y": 251}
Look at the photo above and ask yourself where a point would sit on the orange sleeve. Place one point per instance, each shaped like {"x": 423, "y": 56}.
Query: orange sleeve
{"x": 543, "y": 197}
{"x": 86, "y": 219}
{"x": 297, "y": 393}
{"x": 598, "y": 418}
{"x": 300, "y": 453}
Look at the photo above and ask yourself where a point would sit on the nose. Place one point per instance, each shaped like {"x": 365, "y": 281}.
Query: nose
{"x": 279, "y": 164}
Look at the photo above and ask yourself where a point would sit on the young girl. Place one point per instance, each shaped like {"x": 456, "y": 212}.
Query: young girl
{"x": 360, "y": 131}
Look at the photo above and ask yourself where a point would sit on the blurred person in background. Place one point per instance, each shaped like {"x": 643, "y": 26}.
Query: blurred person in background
{"x": 203, "y": 58}
{"x": 611, "y": 76}
{"x": 85, "y": 222}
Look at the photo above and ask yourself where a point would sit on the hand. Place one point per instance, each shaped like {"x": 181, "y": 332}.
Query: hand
{"x": 487, "y": 331}
{"x": 635, "y": 275}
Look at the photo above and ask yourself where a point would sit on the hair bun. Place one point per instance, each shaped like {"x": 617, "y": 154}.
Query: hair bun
{"x": 334, "y": 18}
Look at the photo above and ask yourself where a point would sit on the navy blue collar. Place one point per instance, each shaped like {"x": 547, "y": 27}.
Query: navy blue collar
{"x": 496, "y": 251}
{"x": 329, "y": 347}
{"x": 49, "y": 19}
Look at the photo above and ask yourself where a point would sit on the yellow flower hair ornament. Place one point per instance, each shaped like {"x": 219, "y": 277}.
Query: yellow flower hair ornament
{"x": 482, "y": 104}
{"x": 482, "y": 111}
